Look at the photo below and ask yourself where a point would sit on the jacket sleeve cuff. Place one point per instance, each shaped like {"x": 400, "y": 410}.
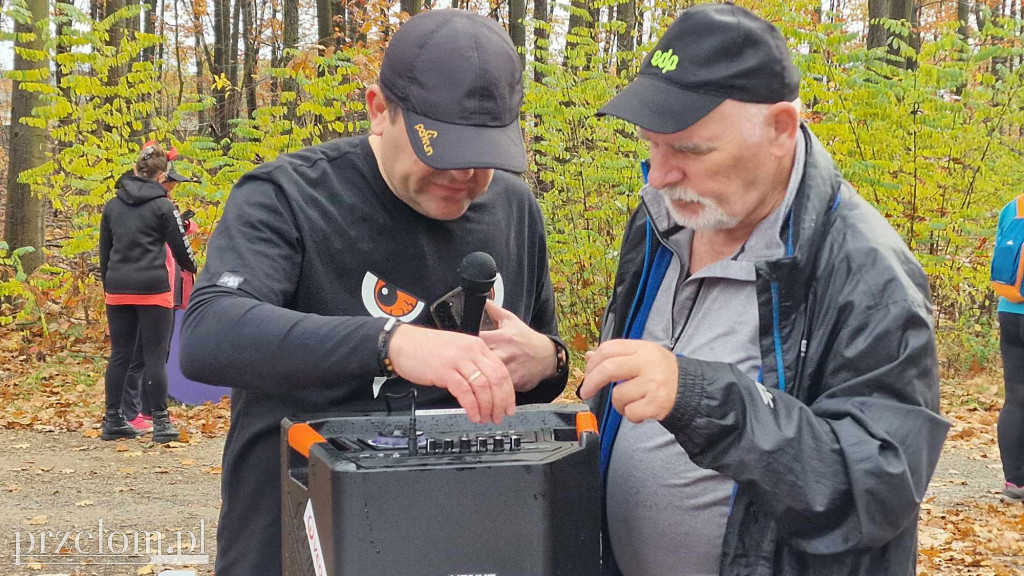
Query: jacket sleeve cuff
{"x": 689, "y": 396}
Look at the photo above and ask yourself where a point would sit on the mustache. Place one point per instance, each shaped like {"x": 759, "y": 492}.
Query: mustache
{"x": 683, "y": 194}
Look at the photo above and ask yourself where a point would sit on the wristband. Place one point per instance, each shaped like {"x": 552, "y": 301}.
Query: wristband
{"x": 561, "y": 357}
{"x": 383, "y": 344}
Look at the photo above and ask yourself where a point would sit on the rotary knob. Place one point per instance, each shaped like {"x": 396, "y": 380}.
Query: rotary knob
{"x": 448, "y": 445}
{"x": 481, "y": 444}
{"x": 465, "y": 445}
{"x": 515, "y": 443}
{"x": 431, "y": 445}
{"x": 499, "y": 443}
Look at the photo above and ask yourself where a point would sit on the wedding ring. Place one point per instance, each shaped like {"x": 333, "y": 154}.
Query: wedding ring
{"x": 475, "y": 375}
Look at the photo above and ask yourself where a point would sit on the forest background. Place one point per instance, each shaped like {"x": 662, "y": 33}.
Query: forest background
{"x": 919, "y": 102}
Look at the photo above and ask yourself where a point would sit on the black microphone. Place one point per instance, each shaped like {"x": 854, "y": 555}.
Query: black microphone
{"x": 477, "y": 274}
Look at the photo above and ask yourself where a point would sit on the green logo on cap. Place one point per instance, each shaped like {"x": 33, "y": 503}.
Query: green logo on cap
{"x": 665, "y": 60}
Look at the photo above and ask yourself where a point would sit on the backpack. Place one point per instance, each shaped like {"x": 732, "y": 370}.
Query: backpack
{"x": 1007, "y": 265}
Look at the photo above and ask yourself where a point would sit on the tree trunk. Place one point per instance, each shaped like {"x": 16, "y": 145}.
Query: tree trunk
{"x": 339, "y": 22}
{"x": 25, "y": 219}
{"x": 149, "y": 27}
{"x": 290, "y": 15}
{"x": 275, "y": 58}
{"x": 132, "y": 24}
{"x": 249, "y": 60}
{"x": 878, "y": 36}
{"x": 220, "y": 69}
{"x": 117, "y": 71}
{"x": 411, "y": 7}
{"x": 540, "y": 38}
{"x": 517, "y": 27}
{"x": 356, "y": 17}
{"x": 915, "y": 34}
{"x": 578, "y": 15}
{"x": 963, "y": 12}
{"x": 235, "y": 97}
{"x": 625, "y": 14}
{"x": 204, "y": 114}
{"x": 63, "y": 30}
{"x": 324, "y": 26}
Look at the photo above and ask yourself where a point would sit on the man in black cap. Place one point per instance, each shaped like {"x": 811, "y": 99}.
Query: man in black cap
{"x": 319, "y": 277}
{"x": 767, "y": 385}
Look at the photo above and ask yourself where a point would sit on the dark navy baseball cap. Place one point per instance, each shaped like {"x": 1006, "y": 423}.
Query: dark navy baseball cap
{"x": 459, "y": 82}
{"x": 711, "y": 53}
{"x": 174, "y": 176}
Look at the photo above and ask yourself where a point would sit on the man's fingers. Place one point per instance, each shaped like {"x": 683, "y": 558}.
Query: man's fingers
{"x": 625, "y": 393}
{"x": 497, "y": 342}
{"x": 458, "y": 387}
{"x": 497, "y": 313}
{"x": 481, "y": 387}
{"x": 612, "y": 369}
{"x": 611, "y": 349}
{"x": 503, "y": 393}
{"x": 642, "y": 409}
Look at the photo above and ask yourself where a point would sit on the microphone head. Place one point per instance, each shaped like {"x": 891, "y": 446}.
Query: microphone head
{"x": 478, "y": 272}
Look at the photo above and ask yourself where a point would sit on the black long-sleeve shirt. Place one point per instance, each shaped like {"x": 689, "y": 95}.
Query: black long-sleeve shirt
{"x": 312, "y": 256}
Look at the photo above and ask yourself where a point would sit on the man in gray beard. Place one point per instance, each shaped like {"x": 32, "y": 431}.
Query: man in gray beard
{"x": 767, "y": 384}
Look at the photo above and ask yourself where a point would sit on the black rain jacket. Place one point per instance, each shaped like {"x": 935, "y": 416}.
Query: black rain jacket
{"x": 830, "y": 479}
{"x": 135, "y": 226}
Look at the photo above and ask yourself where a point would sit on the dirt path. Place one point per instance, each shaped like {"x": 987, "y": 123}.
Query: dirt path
{"x": 60, "y": 482}
{"x": 64, "y": 482}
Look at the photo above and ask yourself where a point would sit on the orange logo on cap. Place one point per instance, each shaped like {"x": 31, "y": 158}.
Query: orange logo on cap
{"x": 425, "y": 136}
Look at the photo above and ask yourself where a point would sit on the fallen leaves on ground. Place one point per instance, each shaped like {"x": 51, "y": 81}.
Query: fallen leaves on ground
{"x": 47, "y": 385}
{"x": 980, "y": 535}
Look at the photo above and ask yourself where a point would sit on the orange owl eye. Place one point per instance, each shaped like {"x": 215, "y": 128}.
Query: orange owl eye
{"x": 393, "y": 301}
{"x": 383, "y": 299}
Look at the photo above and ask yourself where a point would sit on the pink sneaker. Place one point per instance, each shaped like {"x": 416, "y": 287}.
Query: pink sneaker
{"x": 1013, "y": 492}
{"x": 149, "y": 420}
{"x": 141, "y": 423}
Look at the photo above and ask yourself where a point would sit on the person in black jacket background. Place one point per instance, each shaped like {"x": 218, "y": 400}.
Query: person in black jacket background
{"x": 135, "y": 227}
{"x": 134, "y": 403}
{"x": 767, "y": 384}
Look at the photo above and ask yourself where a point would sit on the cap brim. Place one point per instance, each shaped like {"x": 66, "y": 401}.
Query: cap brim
{"x": 175, "y": 176}
{"x": 659, "y": 106}
{"x": 445, "y": 146}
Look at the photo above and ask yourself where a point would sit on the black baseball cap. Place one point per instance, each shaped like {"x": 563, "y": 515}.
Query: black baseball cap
{"x": 459, "y": 82}
{"x": 711, "y": 53}
{"x": 175, "y": 176}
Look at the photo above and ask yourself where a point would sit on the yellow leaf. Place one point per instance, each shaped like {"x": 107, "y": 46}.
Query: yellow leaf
{"x": 36, "y": 520}
{"x": 83, "y": 503}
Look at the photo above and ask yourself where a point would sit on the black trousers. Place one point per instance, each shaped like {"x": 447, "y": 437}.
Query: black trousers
{"x": 134, "y": 401}
{"x": 1011, "y": 417}
{"x": 151, "y": 325}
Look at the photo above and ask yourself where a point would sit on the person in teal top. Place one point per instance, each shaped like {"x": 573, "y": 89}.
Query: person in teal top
{"x": 1011, "y": 347}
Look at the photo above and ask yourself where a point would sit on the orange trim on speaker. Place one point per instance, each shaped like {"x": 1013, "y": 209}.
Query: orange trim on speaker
{"x": 301, "y": 437}
{"x": 585, "y": 422}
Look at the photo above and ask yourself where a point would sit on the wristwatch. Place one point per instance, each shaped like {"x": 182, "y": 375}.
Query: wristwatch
{"x": 383, "y": 344}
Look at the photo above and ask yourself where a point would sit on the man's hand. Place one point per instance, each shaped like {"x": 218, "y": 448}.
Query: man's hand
{"x": 459, "y": 363}
{"x": 528, "y": 354}
{"x": 647, "y": 376}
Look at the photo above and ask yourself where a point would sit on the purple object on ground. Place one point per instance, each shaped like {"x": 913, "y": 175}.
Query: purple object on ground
{"x": 182, "y": 389}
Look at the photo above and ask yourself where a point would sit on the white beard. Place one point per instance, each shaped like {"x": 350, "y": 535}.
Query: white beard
{"x": 710, "y": 217}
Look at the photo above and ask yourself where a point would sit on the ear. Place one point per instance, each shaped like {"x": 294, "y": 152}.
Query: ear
{"x": 783, "y": 123}
{"x": 377, "y": 108}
